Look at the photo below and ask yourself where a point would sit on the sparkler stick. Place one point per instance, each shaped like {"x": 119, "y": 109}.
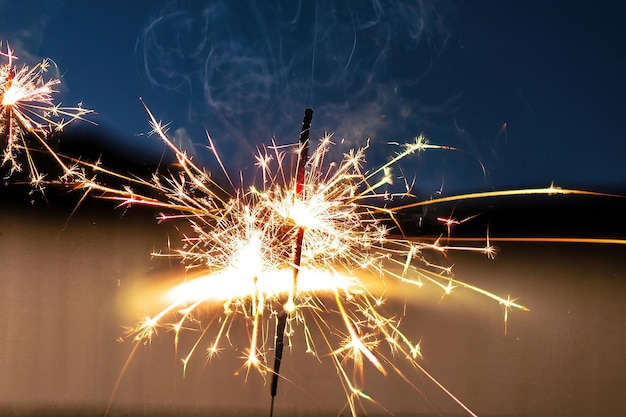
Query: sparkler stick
{"x": 303, "y": 155}
{"x": 278, "y": 354}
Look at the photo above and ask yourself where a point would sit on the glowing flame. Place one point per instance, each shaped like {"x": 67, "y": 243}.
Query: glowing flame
{"x": 221, "y": 287}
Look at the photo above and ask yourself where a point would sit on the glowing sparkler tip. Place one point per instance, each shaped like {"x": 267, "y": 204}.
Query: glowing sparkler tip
{"x": 289, "y": 306}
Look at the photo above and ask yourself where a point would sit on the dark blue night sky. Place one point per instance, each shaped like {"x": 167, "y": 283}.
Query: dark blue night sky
{"x": 552, "y": 71}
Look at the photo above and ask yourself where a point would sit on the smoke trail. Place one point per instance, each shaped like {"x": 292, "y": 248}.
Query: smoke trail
{"x": 23, "y": 25}
{"x": 246, "y": 70}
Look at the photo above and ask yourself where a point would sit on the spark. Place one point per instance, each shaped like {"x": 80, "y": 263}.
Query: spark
{"x": 451, "y": 222}
{"x": 28, "y": 110}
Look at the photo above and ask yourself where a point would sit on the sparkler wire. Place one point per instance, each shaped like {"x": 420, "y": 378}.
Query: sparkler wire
{"x": 303, "y": 156}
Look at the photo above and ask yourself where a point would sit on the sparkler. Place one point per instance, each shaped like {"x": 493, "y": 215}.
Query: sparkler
{"x": 242, "y": 262}
{"x": 27, "y": 108}
{"x": 303, "y": 154}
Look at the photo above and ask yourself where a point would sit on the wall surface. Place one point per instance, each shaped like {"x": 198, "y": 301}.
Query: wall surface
{"x": 68, "y": 286}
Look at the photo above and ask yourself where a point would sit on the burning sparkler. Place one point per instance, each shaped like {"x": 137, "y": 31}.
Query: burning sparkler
{"x": 27, "y": 109}
{"x": 303, "y": 154}
{"x": 243, "y": 264}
